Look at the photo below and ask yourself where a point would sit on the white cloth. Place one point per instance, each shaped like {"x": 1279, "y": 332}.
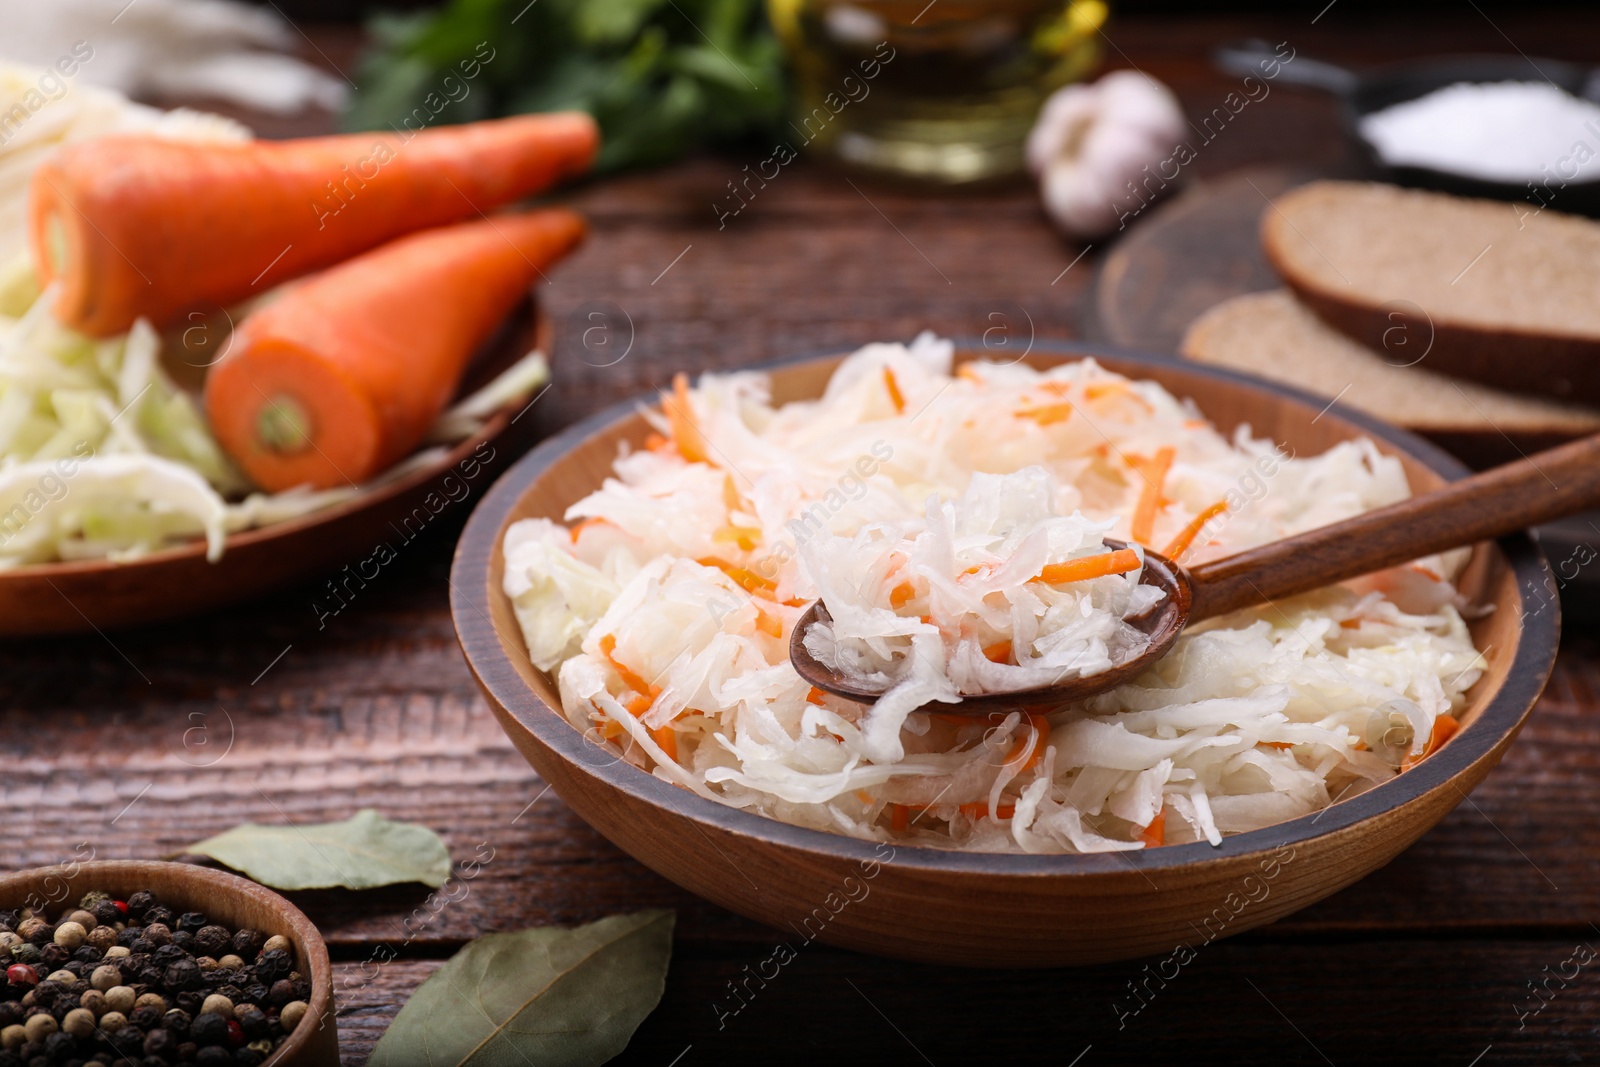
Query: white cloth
{"x": 173, "y": 49}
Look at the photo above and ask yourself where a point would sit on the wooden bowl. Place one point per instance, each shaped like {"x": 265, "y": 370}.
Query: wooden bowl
{"x": 234, "y": 901}
{"x": 985, "y": 909}
{"x": 81, "y": 596}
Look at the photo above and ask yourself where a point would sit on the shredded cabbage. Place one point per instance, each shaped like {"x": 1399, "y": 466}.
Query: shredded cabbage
{"x": 966, "y": 595}
{"x": 103, "y": 455}
{"x": 665, "y": 609}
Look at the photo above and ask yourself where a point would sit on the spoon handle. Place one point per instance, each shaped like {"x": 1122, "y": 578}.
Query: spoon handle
{"x": 1550, "y": 485}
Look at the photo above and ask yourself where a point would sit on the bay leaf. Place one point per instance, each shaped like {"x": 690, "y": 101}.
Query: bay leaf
{"x": 362, "y": 852}
{"x": 551, "y": 996}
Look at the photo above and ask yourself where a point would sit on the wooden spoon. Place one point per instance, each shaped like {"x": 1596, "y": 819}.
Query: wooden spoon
{"x": 1550, "y": 485}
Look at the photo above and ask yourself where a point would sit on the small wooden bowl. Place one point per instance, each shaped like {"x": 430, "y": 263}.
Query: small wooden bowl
{"x": 987, "y": 909}
{"x": 81, "y": 596}
{"x": 236, "y": 902}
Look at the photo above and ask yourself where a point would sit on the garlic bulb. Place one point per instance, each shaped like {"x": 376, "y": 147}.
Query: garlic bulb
{"x": 1092, "y": 144}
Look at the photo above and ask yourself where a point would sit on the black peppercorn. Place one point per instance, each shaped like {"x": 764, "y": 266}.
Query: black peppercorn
{"x": 190, "y": 1000}
{"x": 10, "y": 1013}
{"x": 127, "y": 937}
{"x": 248, "y": 942}
{"x": 214, "y": 1055}
{"x": 192, "y": 921}
{"x": 251, "y": 1019}
{"x": 46, "y": 992}
{"x": 187, "y": 1051}
{"x": 208, "y": 1028}
{"x": 105, "y": 913}
{"x": 59, "y": 1046}
{"x": 182, "y": 974}
{"x": 212, "y": 940}
{"x": 141, "y": 902}
{"x": 273, "y": 965}
{"x": 255, "y": 993}
{"x": 281, "y": 993}
{"x": 184, "y": 940}
{"x": 10, "y": 1059}
{"x": 86, "y": 954}
{"x": 9, "y": 920}
{"x": 142, "y": 946}
{"x": 159, "y": 1042}
{"x": 247, "y": 1056}
{"x": 145, "y": 1018}
{"x": 150, "y": 975}
{"x": 168, "y": 954}
{"x": 160, "y": 914}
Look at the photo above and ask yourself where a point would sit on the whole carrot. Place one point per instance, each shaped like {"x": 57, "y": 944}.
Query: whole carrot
{"x": 138, "y": 226}
{"x": 344, "y": 373}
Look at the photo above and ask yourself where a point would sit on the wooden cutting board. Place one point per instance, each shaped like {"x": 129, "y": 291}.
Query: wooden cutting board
{"x": 1190, "y": 253}
{"x": 1202, "y": 247}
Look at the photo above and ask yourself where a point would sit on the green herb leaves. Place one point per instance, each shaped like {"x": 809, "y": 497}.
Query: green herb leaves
{"x": 548, "y": 996}
{"x": 362, "y": 852}
{"x": 659, "y": 77}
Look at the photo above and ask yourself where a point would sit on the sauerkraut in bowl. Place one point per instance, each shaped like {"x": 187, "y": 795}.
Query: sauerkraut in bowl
{"x": 928, "y": 499}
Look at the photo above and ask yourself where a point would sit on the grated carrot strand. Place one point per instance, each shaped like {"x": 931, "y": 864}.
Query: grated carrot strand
{"x": 1154, "y": 472}
{"x": 1181, "y": 543}
{"x": 1084, "y": 568}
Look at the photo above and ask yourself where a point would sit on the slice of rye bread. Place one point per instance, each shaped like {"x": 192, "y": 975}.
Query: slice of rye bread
{"x": 1496, "y": 292}
{"x": 1275, "y": 336}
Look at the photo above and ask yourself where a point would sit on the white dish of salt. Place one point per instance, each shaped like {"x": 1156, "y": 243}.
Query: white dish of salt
{"x": 1506, "y": 131}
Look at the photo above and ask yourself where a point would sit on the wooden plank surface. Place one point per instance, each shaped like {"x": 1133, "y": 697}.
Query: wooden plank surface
{"x": 137, "y": 743}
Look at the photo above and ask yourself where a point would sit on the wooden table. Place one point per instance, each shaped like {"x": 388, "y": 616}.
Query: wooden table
{"x": 1431, "y": 960}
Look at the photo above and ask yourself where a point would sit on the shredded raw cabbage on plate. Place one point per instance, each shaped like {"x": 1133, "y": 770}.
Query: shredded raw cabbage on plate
{"x": 666, "y": 609}
{"x": 103, "y": 456}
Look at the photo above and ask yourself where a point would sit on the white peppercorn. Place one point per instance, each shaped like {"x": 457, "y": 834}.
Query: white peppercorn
{"x": 291, "y": 1014}
{"x": 70, "y": 935}
{"x": 217, "y": 1004}
{"x": 38, "y": 1027}
{"x": 121, "y": 998}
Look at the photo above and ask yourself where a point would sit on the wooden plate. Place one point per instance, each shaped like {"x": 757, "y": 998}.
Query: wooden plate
{"x": 227, "y": 898}
{"x": 54, "y": 598}
{"x": 984, "y": 909}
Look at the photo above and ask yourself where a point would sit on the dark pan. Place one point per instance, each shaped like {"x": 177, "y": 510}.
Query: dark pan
{"x": 1367, "y": 91}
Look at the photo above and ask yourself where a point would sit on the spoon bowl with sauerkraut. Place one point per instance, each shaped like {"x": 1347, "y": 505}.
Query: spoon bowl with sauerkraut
{"x": 627, "y": 595}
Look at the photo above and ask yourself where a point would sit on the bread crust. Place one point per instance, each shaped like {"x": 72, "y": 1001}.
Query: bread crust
{"x": 1480, "y": 443}
{"x": 1550, "y": 363}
